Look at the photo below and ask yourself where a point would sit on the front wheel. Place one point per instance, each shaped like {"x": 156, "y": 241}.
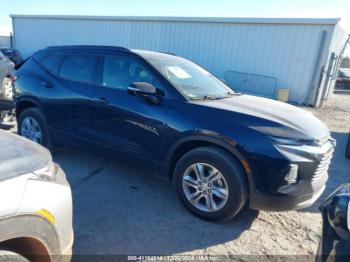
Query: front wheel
{"x": 211, "y": 183}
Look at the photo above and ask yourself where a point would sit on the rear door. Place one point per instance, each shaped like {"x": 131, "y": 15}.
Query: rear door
{"x": 68, "y": 95}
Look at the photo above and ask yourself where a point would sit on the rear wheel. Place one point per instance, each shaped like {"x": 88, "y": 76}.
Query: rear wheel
{"x": 211, "y": 183}
{"x": 32, "y": 125}
{"x": 7, "y": 91}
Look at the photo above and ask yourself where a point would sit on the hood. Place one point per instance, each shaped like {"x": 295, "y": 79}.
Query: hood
{"x": 273, "y": 117}
{"x": 20, "y": 156}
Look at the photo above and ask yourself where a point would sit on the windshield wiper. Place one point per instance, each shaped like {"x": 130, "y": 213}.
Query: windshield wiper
{"x": 206, "y": 97}
{"x": 233, "y": 94}
{"x": 210, "y": 97}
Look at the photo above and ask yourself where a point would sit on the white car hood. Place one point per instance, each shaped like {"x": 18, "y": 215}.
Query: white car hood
{"x": 20, "y": 156}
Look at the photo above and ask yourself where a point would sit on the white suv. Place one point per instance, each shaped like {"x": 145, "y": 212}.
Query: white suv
{"x": 35, "y": 203}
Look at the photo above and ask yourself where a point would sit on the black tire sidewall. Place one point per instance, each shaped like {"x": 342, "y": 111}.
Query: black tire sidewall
{"x": 229, "y": 167}
{"x": 36, "y": 114}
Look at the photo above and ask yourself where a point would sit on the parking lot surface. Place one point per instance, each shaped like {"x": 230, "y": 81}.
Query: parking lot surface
{"x": 120, "y": 210}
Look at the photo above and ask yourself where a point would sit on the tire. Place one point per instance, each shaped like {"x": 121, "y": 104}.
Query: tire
{"x": 36, "y": 115}
{"x": 6, "y": 89}
{"x": 234, "y": 185}
{"x": 8, "y": 256}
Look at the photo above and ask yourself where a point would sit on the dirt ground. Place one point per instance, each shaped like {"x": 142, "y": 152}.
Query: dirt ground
{"x": 120, "y": 210}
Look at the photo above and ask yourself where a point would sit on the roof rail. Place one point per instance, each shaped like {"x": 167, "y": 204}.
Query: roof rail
{"x": 89, "y": 47}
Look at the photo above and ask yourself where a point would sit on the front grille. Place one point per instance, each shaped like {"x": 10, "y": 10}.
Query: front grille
{"x": 324, "y": 140}
{"x": 323, "y": 165}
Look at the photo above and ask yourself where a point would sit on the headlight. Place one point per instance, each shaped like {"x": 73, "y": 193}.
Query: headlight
{"x": 291, "y": 141}
{"x": 47, "y": 174}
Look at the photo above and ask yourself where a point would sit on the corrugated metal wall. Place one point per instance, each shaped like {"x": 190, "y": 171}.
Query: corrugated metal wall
{"x": 5, "y": 41}
{"x": 285, "y": 51}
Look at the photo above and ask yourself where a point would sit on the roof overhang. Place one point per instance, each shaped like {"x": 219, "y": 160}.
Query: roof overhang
{"x": 241, "y": 20}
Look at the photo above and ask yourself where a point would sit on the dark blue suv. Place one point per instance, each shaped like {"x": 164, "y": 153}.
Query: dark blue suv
{"x": 170, "y": 116}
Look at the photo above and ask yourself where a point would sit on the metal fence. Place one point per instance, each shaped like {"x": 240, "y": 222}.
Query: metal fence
{"x": 253, "y": 84}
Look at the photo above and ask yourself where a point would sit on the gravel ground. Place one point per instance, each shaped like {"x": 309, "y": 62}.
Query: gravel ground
{"x": 118, "y": 210}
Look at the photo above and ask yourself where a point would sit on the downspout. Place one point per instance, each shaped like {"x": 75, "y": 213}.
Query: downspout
{"x": 337, "y": 63}
{"x": 312, "y": 85}
{"x": 13, "y": 44}
{"x": 343, "y": 50}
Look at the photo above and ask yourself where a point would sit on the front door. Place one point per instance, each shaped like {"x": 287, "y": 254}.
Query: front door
{"x": 125, "y": 122}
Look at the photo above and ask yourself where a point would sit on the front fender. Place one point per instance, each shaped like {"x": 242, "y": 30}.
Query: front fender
{"x": 30, "y": 226}
{"x": 220, "y": 141}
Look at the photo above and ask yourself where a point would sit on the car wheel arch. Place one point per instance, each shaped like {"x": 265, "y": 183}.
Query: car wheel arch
{"x": 30, "y": 229}
{"x": 186, "y": 144}
{"x": 23, "y": 104}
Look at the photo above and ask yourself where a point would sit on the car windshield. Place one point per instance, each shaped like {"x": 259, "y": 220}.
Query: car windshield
{"x": 188, "y": 78}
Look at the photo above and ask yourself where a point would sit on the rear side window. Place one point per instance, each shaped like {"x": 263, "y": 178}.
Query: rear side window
{"x": 78, "y": 67}
{"x": 51, "y": 62}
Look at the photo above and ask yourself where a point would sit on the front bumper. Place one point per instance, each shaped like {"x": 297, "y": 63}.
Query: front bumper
{"x": 274, "y": 192}
{"x": 65, "y": 228}
{"x": 284, "y": 203}
{"x": 54, "y": 196}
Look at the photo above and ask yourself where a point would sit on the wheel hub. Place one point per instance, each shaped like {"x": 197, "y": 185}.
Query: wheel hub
{"x": 30, "y": 129}
{"x": 205, "y": 187}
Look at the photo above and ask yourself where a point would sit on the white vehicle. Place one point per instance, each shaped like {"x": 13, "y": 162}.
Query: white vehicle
{"x": 35, "y": 203}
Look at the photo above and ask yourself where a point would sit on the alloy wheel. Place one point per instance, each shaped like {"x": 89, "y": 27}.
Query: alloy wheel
{"x": 30, "y": 129}
{"x": 205, "y": 187}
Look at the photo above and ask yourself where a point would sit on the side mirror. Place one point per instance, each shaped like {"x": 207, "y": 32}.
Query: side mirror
{"x": 142, "y": 88}
{"x": 337, "y": 208}
{"x": 145, "y": 90}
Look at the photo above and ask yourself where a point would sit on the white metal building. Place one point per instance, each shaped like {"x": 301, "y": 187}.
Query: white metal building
{"x": 300, "y": 55}
{"x": 5, "y": 41}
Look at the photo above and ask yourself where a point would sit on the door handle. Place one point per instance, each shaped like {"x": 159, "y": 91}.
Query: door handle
{"x": 101, "y": 100}
{"x": 47, "y": 84}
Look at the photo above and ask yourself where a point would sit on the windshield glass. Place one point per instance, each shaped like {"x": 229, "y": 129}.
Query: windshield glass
{"x": 191, "y": 80}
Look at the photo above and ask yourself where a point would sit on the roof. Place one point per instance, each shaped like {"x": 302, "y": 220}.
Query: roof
{"x": 88, "y": 48}
{"x": 40, "y": 54}
{"x": 95, "y": 49}
{"x": 242, "y": 20}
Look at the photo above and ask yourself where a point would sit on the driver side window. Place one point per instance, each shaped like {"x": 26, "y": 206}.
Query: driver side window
{"x": 119, "y": 72}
